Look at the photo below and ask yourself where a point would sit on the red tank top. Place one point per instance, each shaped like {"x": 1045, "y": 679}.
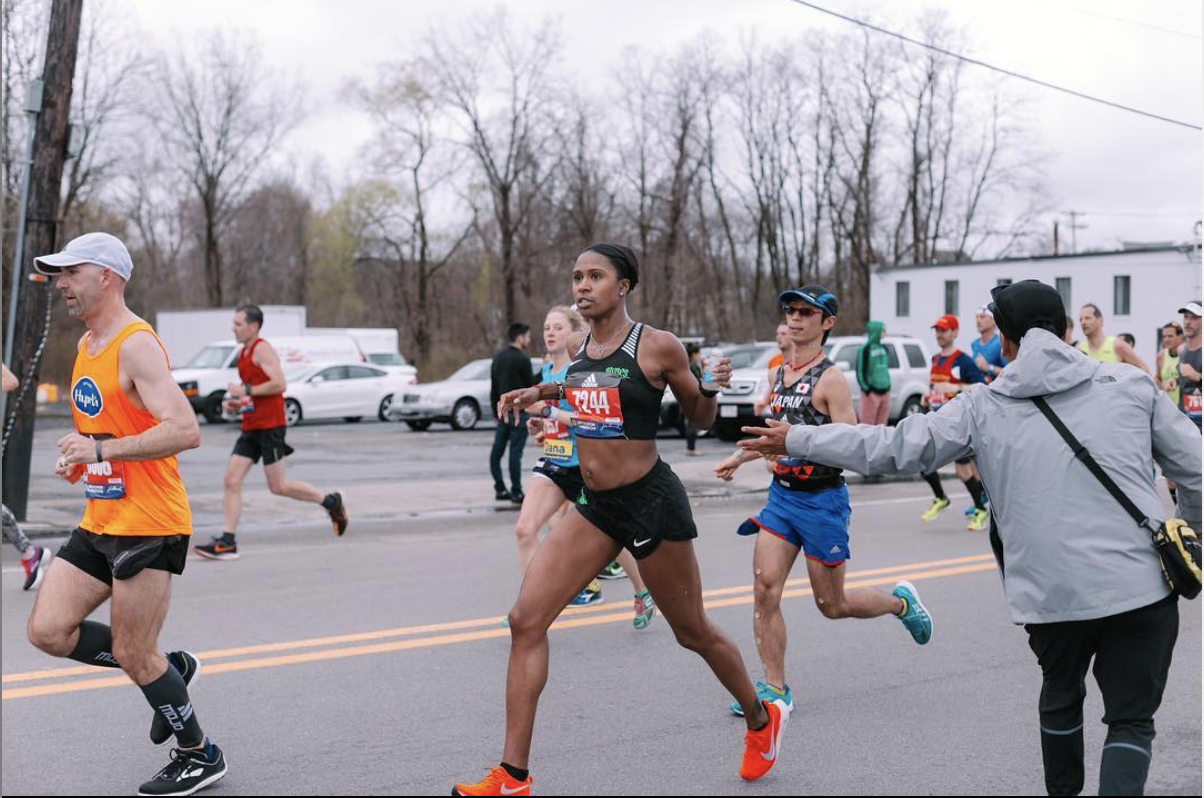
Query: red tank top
{"x": 269, "y": 410}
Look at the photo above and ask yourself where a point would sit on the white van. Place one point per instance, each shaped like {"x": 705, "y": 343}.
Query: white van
{"x": 205, "y": 379}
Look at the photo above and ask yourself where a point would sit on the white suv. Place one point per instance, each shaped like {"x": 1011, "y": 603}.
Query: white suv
{"x": 909, "y": 362}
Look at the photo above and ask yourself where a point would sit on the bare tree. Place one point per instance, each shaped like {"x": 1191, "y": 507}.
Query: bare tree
{"x": 410, "y": 150}
{"x": 220, "y": 115}
{"x": 498, "y": 83}
{"x": 23, "y": 24}
{"x": 111, "y": 68}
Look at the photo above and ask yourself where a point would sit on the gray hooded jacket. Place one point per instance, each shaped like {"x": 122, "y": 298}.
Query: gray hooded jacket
{"x": 1070, "y": 551}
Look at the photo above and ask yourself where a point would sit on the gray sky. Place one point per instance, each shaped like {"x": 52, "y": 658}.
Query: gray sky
{"x": 1137, "y": 178}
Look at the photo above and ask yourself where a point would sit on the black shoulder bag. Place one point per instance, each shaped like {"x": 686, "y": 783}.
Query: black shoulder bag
{"x": 1177, "y": 544}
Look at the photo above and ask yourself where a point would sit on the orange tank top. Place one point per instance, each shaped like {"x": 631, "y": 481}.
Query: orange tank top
{"x": 124, "y": 498}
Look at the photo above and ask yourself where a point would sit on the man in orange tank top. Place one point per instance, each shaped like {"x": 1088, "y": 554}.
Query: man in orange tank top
{"x": 259, "y": 398}
{"x": 131, "y": 420}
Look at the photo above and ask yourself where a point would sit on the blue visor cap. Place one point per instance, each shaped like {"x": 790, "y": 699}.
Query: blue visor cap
{"x": 814, "y": 295}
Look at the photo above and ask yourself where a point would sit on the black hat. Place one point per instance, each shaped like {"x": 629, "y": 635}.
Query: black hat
{"x": 1019, "y": 307}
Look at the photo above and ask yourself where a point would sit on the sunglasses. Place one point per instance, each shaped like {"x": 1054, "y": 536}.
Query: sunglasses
{"x": 800, "y": 310}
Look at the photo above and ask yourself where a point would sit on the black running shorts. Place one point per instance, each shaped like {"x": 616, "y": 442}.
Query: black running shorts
{"x": 567, "y": 478}
{"x": 266, "y": 443}
{"x": 640, "y": 515}
{"x": 109, "y": 557}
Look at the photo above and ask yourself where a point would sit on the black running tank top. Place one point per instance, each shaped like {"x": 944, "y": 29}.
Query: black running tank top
{"x": 793, "y": 404}
{"x": 611, "y": 397}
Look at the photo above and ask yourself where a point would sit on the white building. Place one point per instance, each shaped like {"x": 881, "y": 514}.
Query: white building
{"x": 1137, "y": 290}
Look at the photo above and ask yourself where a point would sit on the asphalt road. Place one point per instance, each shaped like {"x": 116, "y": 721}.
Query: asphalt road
{"x": 375, "y": 664}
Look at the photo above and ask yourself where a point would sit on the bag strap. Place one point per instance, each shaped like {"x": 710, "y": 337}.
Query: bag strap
{"x": 1084, "y": 456}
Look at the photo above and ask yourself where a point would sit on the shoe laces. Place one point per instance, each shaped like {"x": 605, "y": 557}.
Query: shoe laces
{"x": 180, "y": 760}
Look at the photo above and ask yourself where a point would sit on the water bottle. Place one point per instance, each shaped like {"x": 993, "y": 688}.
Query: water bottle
{"x": 246, "y": 405}
{"x": 708, "y": 376}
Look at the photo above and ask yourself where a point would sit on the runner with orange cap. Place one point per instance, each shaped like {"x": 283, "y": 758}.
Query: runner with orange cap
{"x": 952, "y": 373}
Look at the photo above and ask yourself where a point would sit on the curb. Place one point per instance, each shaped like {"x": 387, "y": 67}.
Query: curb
{"x": 35, "y": 529}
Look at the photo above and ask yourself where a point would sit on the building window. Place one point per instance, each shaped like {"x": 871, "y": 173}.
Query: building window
{"x": 951, "y": 297}
{"x": 1063, "y": 286}
{"x": 1120, "y": 295}
{"x": 902, "y": 300}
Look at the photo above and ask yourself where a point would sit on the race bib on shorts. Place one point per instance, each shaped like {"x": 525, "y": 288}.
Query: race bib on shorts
{"x": 105, "y": 480}
{"x": 596, "y": 407}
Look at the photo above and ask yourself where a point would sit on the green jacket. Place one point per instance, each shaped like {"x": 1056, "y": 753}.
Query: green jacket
{"x": 873, "y": 363}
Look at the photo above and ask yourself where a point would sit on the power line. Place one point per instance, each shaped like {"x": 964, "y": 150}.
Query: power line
{"x": 1135, "y": 22}
{"x": 1139, "y": 215}
{"x": 993, "y": 68}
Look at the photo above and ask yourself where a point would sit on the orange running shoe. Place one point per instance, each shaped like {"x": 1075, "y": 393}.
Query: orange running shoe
{"x": 761, "y": 747}
{"x": 498, "y": 782}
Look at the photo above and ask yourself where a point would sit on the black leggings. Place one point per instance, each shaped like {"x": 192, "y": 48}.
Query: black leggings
{"x": 1132, "y": 653}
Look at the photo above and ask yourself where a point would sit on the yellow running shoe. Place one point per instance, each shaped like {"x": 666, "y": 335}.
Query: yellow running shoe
{"x": 978, "y": 521}
{"x": 938, "y": 506}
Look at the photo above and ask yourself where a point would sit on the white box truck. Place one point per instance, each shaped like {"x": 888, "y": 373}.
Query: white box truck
{"x": 186, "y": 332}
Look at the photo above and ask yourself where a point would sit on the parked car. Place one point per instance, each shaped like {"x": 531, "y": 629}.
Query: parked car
{"x": 348, "y": 391}
{"x": 908, "y": 360}
{"x": 749, "y": 383}
{"x": 204, "y": 379}
{"x": 461, "y": 400}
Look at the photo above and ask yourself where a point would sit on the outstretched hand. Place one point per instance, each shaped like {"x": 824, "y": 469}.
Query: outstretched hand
{"x": 769, "y": 441}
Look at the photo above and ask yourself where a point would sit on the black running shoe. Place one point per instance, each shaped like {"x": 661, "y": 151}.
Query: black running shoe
{"x": 215, "y": 549}
{"x": 338, "y": 514}
{"x": 187, "y": 772}
{"x": 502, "y": 495}
{"x": 517, "y": 496}
{"x": 190, "y": 668}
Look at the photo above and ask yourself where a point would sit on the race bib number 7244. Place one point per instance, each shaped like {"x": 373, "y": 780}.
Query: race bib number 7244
{"x": 598, "y": 412}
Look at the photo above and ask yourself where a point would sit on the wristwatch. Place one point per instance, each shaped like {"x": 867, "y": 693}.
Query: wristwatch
{"x": 546, "y": 411}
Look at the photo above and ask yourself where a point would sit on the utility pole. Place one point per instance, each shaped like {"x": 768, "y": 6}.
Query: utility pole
{"x": 40, "y": 238}
{"x": 1074, "y": 228}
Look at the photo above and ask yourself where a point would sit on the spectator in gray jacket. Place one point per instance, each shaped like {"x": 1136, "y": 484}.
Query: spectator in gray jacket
{"x": 1092, "y": 588}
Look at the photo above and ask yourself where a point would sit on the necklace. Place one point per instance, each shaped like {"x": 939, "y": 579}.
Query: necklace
{"x": 602, "y": 347}
{"x": 802, "y": 365}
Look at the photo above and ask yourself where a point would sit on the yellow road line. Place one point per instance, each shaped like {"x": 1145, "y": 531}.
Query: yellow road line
{"x": 467, "y": 637}
{"x": 452, "y": 626}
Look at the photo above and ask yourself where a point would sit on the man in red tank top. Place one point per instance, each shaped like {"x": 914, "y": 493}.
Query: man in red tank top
{"x": 259, "y": 398}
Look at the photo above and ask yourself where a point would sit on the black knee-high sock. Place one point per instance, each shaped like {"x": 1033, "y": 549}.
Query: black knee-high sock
{"x": 934, "y": 480}
{"x": 168, "y": 695}
{"x": 974, "y": 485}
{"x": 95, "y": 646}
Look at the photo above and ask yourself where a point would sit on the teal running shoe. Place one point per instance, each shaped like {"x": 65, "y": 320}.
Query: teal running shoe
{"x": 767, "y": 693}
{"x": 591, "y": 595}
{"x": 916, "y": 619}
{"x": 645, "y": 610}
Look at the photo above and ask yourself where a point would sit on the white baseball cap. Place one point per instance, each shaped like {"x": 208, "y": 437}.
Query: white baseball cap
{"x": 103, "y": 249}
{"x": 1193, "y": 308}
